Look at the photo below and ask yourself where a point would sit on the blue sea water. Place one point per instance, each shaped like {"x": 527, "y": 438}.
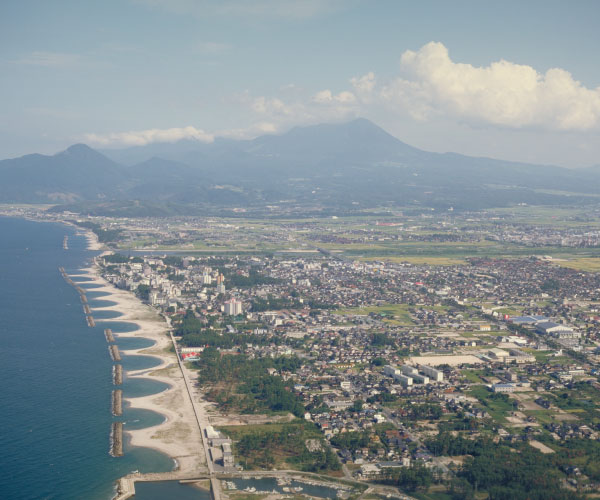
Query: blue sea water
{"x": 56, "y": 378}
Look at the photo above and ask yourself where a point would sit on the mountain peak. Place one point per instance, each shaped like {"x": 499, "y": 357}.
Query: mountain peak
{"x": 83, "y": 153}
{"x": 358, "y": 139}
{"x": 78, "y": 149}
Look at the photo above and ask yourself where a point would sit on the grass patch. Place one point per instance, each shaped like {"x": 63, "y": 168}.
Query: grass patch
{"x": 542, "y": 416}
{"x": 472, "y": 377}
{"x": 497, "y": 405}
{"x": 581, "y": 264}
{"x": 397, "y": 313}
{"x": 540, "y": 356}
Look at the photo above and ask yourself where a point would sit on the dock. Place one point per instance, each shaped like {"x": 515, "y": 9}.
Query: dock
{"x": 117, "y": 402}
{"x": 116, "y": 439}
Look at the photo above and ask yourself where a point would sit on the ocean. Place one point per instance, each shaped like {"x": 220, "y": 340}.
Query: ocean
{"x": 56, "y": 375}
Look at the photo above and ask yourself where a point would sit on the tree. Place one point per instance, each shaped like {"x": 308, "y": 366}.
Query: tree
{"x": 143, "y": 292}
{"x": 357, "y": 405}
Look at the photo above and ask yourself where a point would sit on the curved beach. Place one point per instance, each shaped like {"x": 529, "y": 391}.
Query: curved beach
{"x": 178, "y": 436}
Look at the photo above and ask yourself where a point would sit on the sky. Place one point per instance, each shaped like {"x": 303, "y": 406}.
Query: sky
{"x": 511, "y": 80}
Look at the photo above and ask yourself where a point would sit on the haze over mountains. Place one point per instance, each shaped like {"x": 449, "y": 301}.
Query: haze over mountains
{"x": 347, "y": 166}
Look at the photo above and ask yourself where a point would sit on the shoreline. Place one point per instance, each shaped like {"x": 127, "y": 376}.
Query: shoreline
{"x": 178, "y": 436}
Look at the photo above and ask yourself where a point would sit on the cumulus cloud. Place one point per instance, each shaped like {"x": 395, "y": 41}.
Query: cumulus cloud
{"x": 326, "y": 96}
{"x": 431, "y": 85}
{"x": 365, "y": 83}
{"x": 503, "y": 93}
{"x": 273, "y": 106}
{"x": 143, "y": 137}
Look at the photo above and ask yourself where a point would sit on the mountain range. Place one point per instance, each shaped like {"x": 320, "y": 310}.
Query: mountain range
{"x": 354, "y": 165}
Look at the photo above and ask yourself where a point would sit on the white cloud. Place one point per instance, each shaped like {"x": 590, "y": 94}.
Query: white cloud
{"x": 503, "y": 93}
{"x": 50, "y": 59}
{"x": 272, "y": 106}
{"x": 365, "y": 83}
{"x": 326, "y": 96}
{"x": 143, "y": 137}
{"x": 431, "y": 86}
{"x": 323, "y": 96}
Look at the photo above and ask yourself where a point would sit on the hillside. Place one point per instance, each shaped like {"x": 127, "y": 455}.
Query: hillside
{"x": 354, "y": 164}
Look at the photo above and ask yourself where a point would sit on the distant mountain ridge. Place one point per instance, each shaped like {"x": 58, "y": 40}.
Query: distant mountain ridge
{"x": 77, "y": 173}
{"x": 353, "y": 164}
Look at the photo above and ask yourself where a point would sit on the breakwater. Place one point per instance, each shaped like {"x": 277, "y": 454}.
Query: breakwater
{"x": 109, "y": 335}
{"x": 87, "y": 310}
{"x": 117, "y": 402}
{"x": 90, "y": 321}
{"x": 114, "y": 352}
{"x": 80, "y": 290}
{"x": 117, "y": 375}
{"x": 116, "y": 439}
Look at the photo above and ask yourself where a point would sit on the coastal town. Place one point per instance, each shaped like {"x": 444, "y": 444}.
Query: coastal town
{"x": 326, "y": 354}
{"x": 391, "y": 368}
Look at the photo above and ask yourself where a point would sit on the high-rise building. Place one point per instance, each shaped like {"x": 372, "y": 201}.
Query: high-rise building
{"x": 233, "y": 307}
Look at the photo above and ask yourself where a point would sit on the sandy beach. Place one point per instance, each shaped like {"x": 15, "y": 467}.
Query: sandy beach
{"x": 92, "y": 241}
{"x": 92, "y": 238}
{"x": 179, "y": 436}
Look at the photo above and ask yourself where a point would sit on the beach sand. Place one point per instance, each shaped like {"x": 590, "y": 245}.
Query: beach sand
{"x": 92, "y": 241}
{"x": 179, "y": 436}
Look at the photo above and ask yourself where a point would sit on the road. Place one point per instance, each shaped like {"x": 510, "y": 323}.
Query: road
{"x": 201, "y": 420}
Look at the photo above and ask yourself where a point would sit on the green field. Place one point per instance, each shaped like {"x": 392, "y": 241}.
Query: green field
{"x": 591, "y": 264}
{"x": 472, "y": 376}
{"x": 493, "y": 403}
{"x": 396, "y": 313}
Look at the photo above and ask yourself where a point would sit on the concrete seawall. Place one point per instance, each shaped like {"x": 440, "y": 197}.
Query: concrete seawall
{"x": 90, "y": 321}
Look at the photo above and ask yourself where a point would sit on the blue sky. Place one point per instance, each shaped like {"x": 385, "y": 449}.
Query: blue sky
{"x": 514, "y": 80}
